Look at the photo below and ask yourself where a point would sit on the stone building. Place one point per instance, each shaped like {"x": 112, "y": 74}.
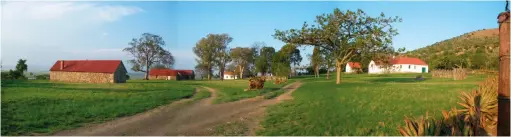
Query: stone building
{"x": 88, "y": 71}
{"x": 170, "y": 74}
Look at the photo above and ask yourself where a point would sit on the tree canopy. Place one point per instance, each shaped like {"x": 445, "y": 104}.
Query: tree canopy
{"x": 148, "y": 50}
{"x": 242, "y": 57}
{"x": 211, "y": 51}
{"x": 264, "y": 61}
{"x": 344, "y": 33}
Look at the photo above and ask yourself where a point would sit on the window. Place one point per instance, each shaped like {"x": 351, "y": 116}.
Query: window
{"x": 409, "y": 66}
{"x": 400, "y": 66}
{"x": 414, "y": 67}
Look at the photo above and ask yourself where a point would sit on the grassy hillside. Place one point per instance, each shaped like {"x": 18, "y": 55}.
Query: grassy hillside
{"x": 475, "y": 50}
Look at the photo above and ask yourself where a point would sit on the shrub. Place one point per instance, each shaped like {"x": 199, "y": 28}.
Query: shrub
{"x": 42, "y": 76}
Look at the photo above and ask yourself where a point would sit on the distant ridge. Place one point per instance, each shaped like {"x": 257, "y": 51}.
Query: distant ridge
{"x": 476, "y": 50}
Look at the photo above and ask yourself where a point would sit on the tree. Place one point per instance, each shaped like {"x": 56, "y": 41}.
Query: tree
{"x": 264, "y": 61}
{"x": 345, "y": 34}
{"x": 256, "y": 47}
{"x": 222, "y": 61}
{"x": 316, "y": 61}
{"x": 242, "y": 57}
{"x": 159, "y": 66}
{"x": 211, "y": 51}
{"x": 328, "y": 60}
{"x": 201, "y": 70}
{"x": 148, "y": 50}
{"x": 281, "y": 64}
{"x": 223, "y": 56}
{"x": 21, "y": 66}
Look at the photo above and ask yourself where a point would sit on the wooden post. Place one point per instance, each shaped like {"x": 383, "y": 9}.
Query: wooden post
{"x": 503, "y": 118}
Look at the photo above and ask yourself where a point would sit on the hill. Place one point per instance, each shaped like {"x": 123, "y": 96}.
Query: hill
{"x": 475, "y": 50}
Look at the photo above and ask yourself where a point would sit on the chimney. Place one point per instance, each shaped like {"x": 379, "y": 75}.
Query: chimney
{"x": 61, "y": 64}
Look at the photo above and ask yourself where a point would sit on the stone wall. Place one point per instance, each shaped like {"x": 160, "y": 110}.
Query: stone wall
{"x": 120, "y": 74}
{"x": 81, "y": 77}
{"x": 161, "y": 77}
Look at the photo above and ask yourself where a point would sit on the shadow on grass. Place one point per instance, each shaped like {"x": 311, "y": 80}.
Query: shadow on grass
{"x": 29, "y": 84}
{"x": 398, "y": 80}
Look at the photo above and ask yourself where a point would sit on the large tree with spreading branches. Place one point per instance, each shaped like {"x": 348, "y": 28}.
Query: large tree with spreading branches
{"x": 344, "y": 33}
{"x": 147, "y": 51}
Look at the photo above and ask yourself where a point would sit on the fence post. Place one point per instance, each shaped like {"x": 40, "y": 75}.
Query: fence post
{"x": 503, "y": 118}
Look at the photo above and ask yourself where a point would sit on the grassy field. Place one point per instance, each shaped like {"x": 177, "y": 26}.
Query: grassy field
{"x": 362, "y": 104}
{"x": 45, "y": 107}
{"x": 39, "y": 107}
{"x": 233, "y": 90}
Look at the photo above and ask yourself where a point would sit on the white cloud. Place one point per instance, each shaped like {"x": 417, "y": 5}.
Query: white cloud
{"x": 45, "y": 31}
{"x": 38, "y": 11}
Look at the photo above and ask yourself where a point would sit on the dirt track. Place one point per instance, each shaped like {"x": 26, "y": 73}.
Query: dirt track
{"x": 185, "y": 117}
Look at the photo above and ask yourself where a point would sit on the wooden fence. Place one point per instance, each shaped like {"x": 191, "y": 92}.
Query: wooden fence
{"x": 456, "y": 74}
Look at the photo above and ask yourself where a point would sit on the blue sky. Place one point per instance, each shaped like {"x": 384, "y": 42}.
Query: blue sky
{"x": 44, "y": 32}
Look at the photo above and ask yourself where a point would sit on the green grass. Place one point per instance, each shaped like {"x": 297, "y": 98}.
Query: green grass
{"x": 233, "y": 90}
{"x": 362, "y": 104}
{"x": 45, "y": 107}
{"x": 40, "y": 107}
{"x": 202, "y": 94}
{"x": 236, "y": 128}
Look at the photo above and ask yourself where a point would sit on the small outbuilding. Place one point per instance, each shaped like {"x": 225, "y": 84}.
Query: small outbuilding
{"x": 162, "y": 74}
{"x": 353, "y": 67}
{"x": 170, "y": 74}
{"x": 230, "y": 75}
{"x": 399, "y": 65}
{"x": 89, "y": 71}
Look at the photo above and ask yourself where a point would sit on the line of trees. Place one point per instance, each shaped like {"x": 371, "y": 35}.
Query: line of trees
{"x": 213, "y": 54}
{"x": 17, "y": 73}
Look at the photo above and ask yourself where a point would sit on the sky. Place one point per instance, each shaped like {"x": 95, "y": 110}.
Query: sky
{"x": 44, "y": 32}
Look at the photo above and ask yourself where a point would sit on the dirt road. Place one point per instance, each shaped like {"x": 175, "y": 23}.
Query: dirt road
{"x": 185, "y": 117}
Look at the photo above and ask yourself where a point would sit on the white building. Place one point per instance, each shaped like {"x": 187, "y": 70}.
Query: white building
{"x": 230, "y": 75}
{"x": 352, "y": 67}
{"x": 400, "y": 65}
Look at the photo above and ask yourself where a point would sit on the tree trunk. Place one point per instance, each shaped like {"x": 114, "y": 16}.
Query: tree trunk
{"x": 338, "y": 67}
{"x": 146, "y": 71}
{"x": 328, "y": 72}
{"x": 222, "y": 68}
{"x": 241, "y": 72}
{"x": 316, "y": 71}
{"x": 209, "y": 71}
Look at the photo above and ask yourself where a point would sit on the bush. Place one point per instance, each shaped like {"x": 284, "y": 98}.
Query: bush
{"x": 13, "y": 75}
{"x": 42, "y": 76}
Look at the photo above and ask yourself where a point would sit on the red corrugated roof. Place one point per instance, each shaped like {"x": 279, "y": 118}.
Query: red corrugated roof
{"x": 185, "y": 72}
{"x": 408, "y": 60}
{"x": 97, "y": 66}
{"x": 228, "y": 73}
{"x": 162, "y": 72}
{"x": 354, "y": 64}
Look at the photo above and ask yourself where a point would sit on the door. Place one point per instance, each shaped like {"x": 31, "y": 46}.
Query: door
{"x": 423, "y": 69}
